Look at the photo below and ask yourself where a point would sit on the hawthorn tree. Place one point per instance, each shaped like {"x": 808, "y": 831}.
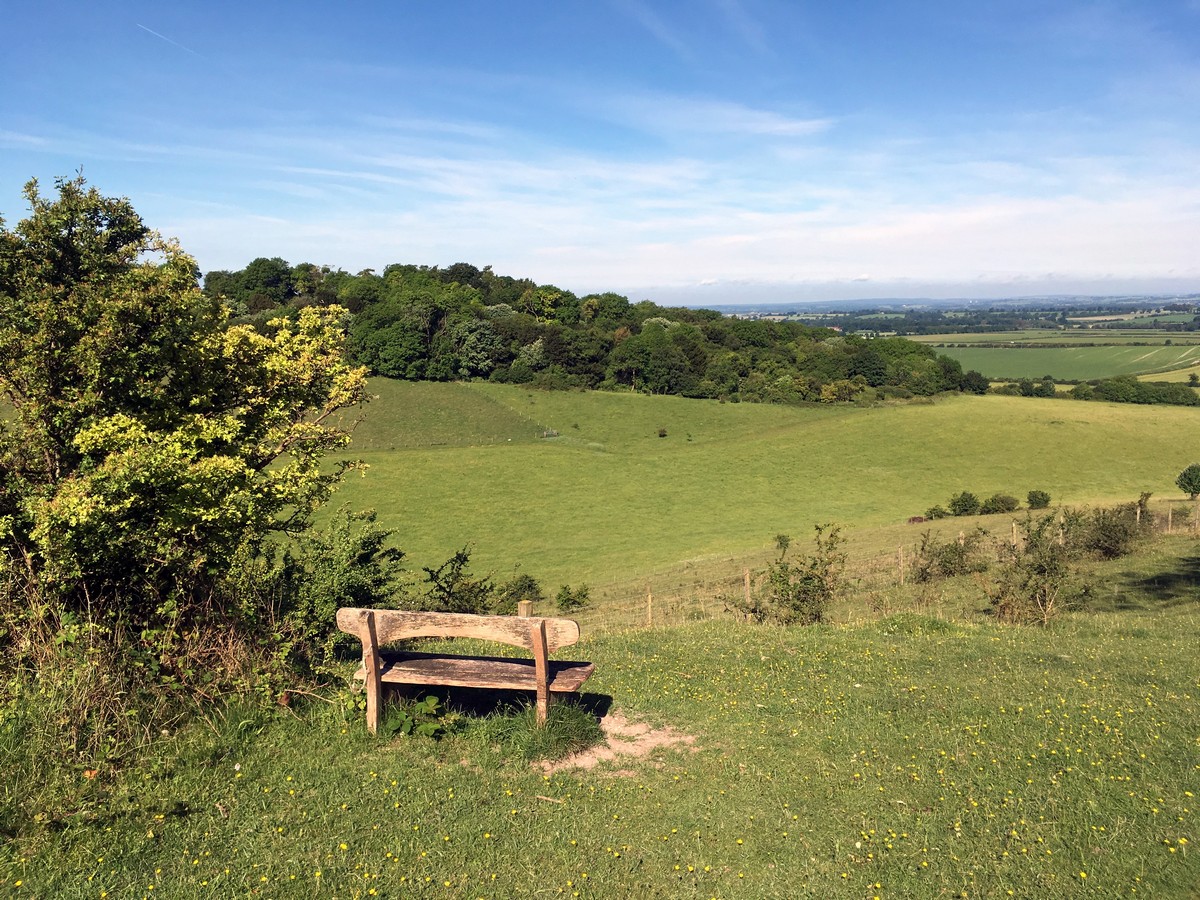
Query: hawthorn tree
{"x": 145, "y": 442}
{"x": 1189, "y": 480}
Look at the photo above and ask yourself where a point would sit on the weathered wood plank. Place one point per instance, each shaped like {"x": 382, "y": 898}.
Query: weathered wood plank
{"x": 398, "y": 625}
{"x": 501, "y": 673}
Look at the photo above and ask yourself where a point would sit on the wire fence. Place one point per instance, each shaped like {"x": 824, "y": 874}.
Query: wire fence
{"x": 703, "y": 589}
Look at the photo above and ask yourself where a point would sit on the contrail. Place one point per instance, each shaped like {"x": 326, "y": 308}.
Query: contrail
{"x": 163, "y": 37}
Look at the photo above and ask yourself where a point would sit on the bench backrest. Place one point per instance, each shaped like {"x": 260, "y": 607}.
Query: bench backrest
{"x": 397, "y": 625}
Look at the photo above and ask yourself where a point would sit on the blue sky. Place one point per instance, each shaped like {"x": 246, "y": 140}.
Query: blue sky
{"x": 710, "y": 151}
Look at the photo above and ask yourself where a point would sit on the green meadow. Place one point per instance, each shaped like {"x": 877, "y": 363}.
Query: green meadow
{"x": 913, "y": 749}
{"x": 906, "y": 757}
{"x": 608, "y": 499}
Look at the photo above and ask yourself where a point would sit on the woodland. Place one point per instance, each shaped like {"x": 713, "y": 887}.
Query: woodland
{"x": 461, "y": 322}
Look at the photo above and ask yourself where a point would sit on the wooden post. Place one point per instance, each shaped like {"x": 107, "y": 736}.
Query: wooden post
{"x": 1014, "y": 534}
{"x": 524, "y": 608}
{"x": 900, "y": 562}
{"x": 371, "y": 680}
{"x": 1170, "y": 511}
{"x": 541, "y": 667}
{"x": 649, "y": 607}
{"x": 746, "y": 582}
{"x": 962, "y": 538}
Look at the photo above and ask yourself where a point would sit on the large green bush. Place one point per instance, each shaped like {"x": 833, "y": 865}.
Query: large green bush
{"x": 148, "y": 448}
{"x": 964, "y": 504}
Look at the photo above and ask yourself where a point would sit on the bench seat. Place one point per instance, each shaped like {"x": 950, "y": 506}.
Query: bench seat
{"x": 499, "y": 673}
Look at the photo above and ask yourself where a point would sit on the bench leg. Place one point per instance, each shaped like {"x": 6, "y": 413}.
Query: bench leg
{"x": 372, "y": 682}
{"x": 374, "y": 707}
{"x": 543, "y": 706}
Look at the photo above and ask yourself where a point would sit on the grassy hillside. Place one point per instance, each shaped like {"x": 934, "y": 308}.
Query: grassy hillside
{"x": 608, "y": 498}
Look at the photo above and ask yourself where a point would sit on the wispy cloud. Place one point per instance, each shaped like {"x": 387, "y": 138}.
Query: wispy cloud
{"x": 163, "y": 37}
{"x": 750, "y": 30}
{"x": 652, "y": 22}
{"x": 18, "y": 139}
{"x": 673, "y": 115}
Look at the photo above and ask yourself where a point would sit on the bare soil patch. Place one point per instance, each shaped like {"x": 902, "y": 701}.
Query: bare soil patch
{"x": 626, "y": 740}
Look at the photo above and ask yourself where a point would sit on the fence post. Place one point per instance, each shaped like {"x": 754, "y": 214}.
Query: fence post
{"x": 1014, "y": 534}
{"x": 1170, "y": 512}
{"x": 524, "y": 608}
{"x": 746, "y": 585}
{"x": 649, "y": 607}
{"x": 900, "y": 562}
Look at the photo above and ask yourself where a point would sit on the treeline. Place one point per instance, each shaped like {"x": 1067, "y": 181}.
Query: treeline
{"x": 460, "y": 322}
{"x": 936, "y": 321}
{"x": 974, "y": 320}
{"x": 1118, "y": 389}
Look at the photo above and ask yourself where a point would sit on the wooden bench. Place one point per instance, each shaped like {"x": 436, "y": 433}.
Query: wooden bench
{"x": 540, "y": 636}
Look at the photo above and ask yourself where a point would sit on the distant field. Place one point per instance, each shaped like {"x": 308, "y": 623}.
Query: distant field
{"x": 1073, "y": 336}
{"x": 608, "y": 498}
{"x": 1174, "y": 375}
{"x": 1073, "y": 362}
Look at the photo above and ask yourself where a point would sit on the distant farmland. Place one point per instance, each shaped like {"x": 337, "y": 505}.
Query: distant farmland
{"x": 1073, "y": 363}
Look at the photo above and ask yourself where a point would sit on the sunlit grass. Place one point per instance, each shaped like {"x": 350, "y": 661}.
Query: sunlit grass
{"x": 906, "y": 757}
{"x": 608, "y": 499}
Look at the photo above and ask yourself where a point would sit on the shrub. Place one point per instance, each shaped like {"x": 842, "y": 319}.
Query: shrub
{"x": 1083, "y": 391}
{"x": 964, "y": 504}
{"x": 998, "y": 503}
{"x": 936, "y": 558}
{"x": 518, "y": 588}
{"x": 1112, "y": 533}
{"x": 150, "y": 448}
{"x": 347, "y": 563}
{"x": 568, "y": 600}
{"x": 937, "y": 512}
{"x": 1035, "y": 579}
{"x": 798, "y": 593}
{"x": 452, "y": 588}
{"x": 1038, "y": 499}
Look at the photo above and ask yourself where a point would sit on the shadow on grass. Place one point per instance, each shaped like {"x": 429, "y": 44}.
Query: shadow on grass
{"x": 1137, "y": 591}
{"x": 482, "y": 702}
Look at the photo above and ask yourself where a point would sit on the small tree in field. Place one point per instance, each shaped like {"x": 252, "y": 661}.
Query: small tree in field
{"x": 1189, "y": 480}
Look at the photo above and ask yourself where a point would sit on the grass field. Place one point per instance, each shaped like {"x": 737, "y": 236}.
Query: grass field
{"x": 1035, "y": 336}
{"x": 609, "y": 499}
{"x": 908, "y": 757}
{"x": 1073, "y": 363}
{"x": 914, "y": 749}
{"x": 1087, "y": 354}
{"x": 1174, "y": 375}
